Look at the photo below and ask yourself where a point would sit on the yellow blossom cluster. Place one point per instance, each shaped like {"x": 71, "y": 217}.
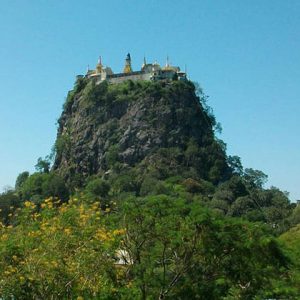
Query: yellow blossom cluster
{"x": 119, "y": 232}
{"x": 29, "y": 204}
{"x": 103, "y": 235}
{"x": 57, "y": 248}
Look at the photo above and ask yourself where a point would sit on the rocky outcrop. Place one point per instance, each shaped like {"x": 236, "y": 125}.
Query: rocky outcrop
{"x": 107, "y": 126}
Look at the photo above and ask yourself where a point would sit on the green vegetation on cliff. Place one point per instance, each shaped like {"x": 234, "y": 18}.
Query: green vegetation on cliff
{"x": 130, "y": 125}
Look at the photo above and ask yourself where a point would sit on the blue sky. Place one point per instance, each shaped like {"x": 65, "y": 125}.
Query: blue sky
{"x": 245, "y": 55}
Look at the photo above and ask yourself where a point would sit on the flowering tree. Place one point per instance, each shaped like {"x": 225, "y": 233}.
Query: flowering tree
{"x": 57, "y": 251}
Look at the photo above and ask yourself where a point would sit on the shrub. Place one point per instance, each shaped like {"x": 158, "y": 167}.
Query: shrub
{"x": 42, "y": 185}
{"x": 97, "y": 189}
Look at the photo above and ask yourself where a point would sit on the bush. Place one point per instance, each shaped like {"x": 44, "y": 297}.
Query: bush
{"x": 97, "y": 189}
{"x": 9, "y": 201}
{"x": 44, "y": 185}
{"x": 22, "y": 177}
{"x": 201, "y": 186}
{"x": 62, "y": 144}
{"x": 112, "y": 155}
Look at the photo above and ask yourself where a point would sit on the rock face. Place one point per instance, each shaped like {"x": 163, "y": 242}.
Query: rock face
{"x": 108, "y": 127}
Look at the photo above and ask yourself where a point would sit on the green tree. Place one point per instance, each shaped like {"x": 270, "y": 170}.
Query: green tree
{"x": 241, "y": 206}
{"x": 235, "y": 164}
{"x": 112, "y": 155}
{"x": 255, "y": 178}
{"x": 43, "y": 185}
{"x": 43, "y": 165}
{"x": 191, "y": 152}
{"x": 295, "y": 216}
{"x": 291, "y": 238}
{"x": 182, "y": 251}
{"x": 54, "y": 186}
{"x": 97, "y": 190}
{"x": 22, "y": 177}
{"x": 231, "y": 189}
{"x": 9, "y": 201}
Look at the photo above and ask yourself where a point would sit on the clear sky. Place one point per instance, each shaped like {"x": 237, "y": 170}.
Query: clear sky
{"x": 245, "y": 55}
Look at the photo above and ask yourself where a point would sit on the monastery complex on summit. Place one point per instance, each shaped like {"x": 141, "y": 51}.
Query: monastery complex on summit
{"x": 148, "y": 72}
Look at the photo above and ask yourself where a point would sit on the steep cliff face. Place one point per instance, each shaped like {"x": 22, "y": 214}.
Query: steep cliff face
{"x": 151, "y": 126}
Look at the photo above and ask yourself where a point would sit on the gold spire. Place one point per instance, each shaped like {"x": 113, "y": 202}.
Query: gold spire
{"x": 127, "y": 67}
{"x": 144, "y": 63}
{"x": 99, "y": 65}
{"x": 167, "y": 62}
{"x": 167, "y": 66}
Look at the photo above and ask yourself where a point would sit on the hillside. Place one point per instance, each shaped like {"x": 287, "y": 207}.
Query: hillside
{"x": 106, "y": 128}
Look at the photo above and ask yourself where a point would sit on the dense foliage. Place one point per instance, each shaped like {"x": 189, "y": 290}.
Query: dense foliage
{"x": 156, "y": 247}
{"x": 291, "y": 239}
{"x": 142, "y": 202}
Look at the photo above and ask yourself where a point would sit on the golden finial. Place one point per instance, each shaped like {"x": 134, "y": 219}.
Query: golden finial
{"x": 127, "y": 67}
{"x": 99, "y": 65}
{"x": 167, "y": 62}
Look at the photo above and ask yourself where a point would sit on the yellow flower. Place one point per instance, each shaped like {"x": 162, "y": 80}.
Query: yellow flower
{"x": 44, "y": 226}
{"x": 34, "y": 233}
{"x": 14, "y": 257}
{"x": 103, "y": 235}
{"x": 95, "y": 206}
{"x": 67, "y": 231}
{"x": 80, "y": 298}
{"x": 12, "y": 269}
{"x": 119, "y": 231}
{"x": 27, "y": 204}
{"x": 81, "y": 208}
{"x": 43, "y": 205}
{"x": 63, "y": 208}
{"x": 55, "y": 264}
{"x": 35, "y": 216}
{"x": 52, "y": 228}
